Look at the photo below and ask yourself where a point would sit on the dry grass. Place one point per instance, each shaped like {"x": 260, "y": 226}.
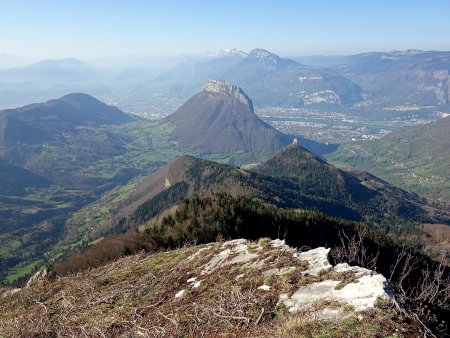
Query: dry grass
{"x": 135, "y": 297}
{"x": 372, "y": 323}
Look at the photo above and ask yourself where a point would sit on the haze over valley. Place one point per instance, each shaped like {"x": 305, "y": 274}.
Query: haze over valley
{"x": 318, "y": 99}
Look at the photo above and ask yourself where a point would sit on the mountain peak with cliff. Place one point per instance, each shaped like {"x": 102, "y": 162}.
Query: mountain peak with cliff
{"x": 223, "y": 114}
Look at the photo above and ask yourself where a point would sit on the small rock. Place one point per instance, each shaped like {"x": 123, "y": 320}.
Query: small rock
{"x": 180, "y": 293}
{"x": 11, "y": 292}
{"x": 240, "y": 276}
{"x": 46, "y": 274}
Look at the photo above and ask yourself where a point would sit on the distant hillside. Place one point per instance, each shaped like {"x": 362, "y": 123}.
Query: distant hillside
{"x": 70, "y": 111}
{"x": 38, "y": 123}
{"x": 414, "y": 158}
{"x": 28, "y": 132}
{"x": 221, "y": 119}
{"x": 63, "y": 71}
{"x": 403, "y": 78}
{"x": 52, "y": 142}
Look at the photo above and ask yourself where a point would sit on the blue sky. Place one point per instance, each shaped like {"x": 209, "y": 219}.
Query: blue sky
{"x": 92, "y": 29}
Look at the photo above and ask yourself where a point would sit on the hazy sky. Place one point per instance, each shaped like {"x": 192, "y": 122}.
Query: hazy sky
{"x": 92, "y": 29}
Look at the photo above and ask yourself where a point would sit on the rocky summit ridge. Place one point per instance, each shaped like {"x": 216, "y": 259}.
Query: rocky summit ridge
{"x": 263, "y": 55}
{"x": 227, "y": 89}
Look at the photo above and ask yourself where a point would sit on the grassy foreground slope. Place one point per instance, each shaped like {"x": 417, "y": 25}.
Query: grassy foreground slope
{"x": 231, "y": 289}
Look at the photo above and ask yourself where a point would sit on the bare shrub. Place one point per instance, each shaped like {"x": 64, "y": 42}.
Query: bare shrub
{"x": 416, "y": 286}
{"x": 433, "y": 286}
{"x": 353, "y": 251}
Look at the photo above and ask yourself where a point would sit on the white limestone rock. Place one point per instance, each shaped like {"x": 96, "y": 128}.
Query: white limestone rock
{"x": 317, "y": 259}
{"x": 227, "y": 89}
{"x": 180, "y": 293}
{"x": 46, "y": 274}
{"x": 361, "y": 294}
{"x": 236, "y": 249}
{"x": 11, "y": 292}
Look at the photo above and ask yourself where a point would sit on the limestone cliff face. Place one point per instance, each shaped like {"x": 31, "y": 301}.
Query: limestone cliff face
{"x": 228, "y": 90}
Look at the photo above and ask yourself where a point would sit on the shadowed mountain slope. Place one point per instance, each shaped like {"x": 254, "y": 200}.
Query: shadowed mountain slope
{"x": 291, "y": 178}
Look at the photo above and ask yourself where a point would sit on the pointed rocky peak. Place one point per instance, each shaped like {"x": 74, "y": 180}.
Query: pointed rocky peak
{"x": 232, "y": 52}
{"x": 228, "y": 90}
{"x": 263, "y": 55}
{"x": 291, "y": 160}
{"x": 297, "y": 152}
{"x": 270, "y": 60}
{"x": 224, "y": 116}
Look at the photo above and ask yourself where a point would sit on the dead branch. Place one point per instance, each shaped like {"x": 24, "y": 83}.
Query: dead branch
{"x": 173, "y": 321}
{"x": 260, "y": 316}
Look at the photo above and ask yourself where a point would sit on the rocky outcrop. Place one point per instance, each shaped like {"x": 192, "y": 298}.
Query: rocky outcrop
{"x": 227, "y": 89}
{"x": 43, "y": 275}
{"x": 355, "y": 287}
{"x": 10, "y": 292}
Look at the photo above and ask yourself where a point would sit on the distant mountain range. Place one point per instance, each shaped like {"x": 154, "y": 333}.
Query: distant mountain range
{"x": 382, "y": 78}
{"x": 414, "y": 158}
{"x": 411, "y": 77}
{"x": 369, "y": 80}
{"x": 268, "y": 79}
{"x": 63, "y": 71}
